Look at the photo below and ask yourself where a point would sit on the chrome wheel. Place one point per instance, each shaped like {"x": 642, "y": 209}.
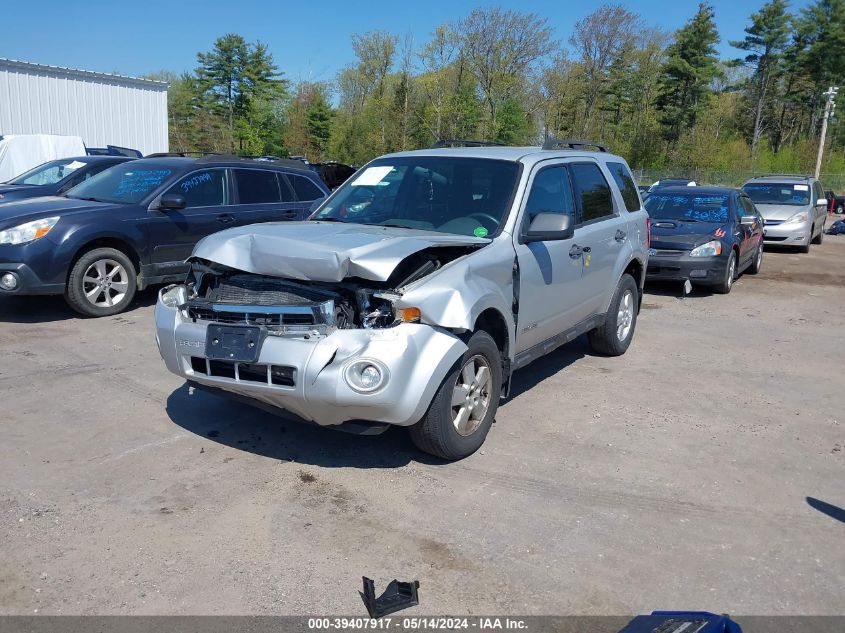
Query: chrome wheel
{"x": 105, "y": 283}
{"x": 471, "y": 395}
{"x": 625, "y": 316}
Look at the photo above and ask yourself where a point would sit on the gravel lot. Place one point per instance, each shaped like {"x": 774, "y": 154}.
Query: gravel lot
{"x": 680, "y": 476}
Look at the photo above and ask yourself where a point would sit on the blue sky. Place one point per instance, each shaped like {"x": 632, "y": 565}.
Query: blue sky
{"x": 309, "y": 40}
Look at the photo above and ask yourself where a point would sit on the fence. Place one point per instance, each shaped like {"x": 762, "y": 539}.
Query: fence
{"x": 836, "y": 182}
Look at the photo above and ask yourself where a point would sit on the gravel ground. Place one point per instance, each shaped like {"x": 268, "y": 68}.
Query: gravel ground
{"x": 691, "y": 473}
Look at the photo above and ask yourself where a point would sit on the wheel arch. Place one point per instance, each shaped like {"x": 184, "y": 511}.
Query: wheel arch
{"x": 107, "y": 242}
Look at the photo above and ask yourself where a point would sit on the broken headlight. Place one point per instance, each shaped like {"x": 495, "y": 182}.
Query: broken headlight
{"x": 174, "y": 296}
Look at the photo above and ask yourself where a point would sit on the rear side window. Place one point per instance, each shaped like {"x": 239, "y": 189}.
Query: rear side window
{"x": 592, "y": 193}
{"x": 550, "y": 193}
{"x": 305, "y": 189}
{"x": 626, "y": 185}
{"x": 256, "y": 186}
{"x": 202, "y": 188}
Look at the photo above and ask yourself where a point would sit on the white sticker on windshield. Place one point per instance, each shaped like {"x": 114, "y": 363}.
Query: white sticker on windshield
{"x": 75, "y": 165}
{"x": 801, "y": 187}
{"x": 372, "y": 176}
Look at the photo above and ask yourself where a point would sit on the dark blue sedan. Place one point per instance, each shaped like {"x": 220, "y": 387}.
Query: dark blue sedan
{"x": 55, "y": 177}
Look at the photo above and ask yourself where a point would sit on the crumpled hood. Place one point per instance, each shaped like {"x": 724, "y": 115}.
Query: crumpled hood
{"x": 675, "y": 235}
{"x": 321, "y": 251}
{"x": 779, "y": 211}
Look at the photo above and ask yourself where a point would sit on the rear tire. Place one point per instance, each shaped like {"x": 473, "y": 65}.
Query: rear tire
{"x": 102, "y": 282}
{"x": 614, "y": 336}
{"x": 724, "y": 287}
{"x": 840, "y": 209}
{"x": 462, "y": 411}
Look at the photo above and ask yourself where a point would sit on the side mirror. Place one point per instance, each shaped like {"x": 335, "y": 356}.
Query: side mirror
{"x": 821, "y": 202}
{"x": 171, "y": 201}
{"x": 748, "y": 220}
{"x": 548, "y": 227}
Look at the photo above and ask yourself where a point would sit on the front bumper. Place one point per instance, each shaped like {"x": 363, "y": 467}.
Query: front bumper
{"x": 679, "y": 266}
{"x": 788, "y": 234}
{"x": 417, "y": 358}
{"x": 29, "y": 283}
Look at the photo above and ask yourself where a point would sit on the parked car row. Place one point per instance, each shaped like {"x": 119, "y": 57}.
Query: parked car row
{"x": 410, "y": 294}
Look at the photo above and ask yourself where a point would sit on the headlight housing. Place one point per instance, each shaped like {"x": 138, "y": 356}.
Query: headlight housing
{"x": 28, "y": 232}
{"x": 366, "y": 375}
{"x": 798, "y": 218}
{"x": 174, "y": 296}
{"x": 710, "y": 249}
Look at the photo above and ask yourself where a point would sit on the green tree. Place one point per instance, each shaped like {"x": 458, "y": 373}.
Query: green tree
{"x": 765, "y": 41}
{"x": 691, "y": 65}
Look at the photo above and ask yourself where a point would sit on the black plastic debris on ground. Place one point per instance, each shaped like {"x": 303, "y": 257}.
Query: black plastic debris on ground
{"x": 397, "y": 596}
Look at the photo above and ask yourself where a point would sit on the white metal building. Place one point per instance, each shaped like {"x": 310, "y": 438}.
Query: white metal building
{"x": 103, "y": 109}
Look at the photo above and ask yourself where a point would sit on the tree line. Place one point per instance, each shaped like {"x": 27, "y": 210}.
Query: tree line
{"x": 662, "y": 100}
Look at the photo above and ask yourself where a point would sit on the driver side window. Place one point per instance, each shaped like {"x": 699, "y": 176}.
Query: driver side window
{"x": 551, "y": 192}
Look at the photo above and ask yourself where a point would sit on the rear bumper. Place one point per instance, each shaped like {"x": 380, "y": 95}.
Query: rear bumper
{"x": 701, "y": 270}
{"x": 415, "y": 357}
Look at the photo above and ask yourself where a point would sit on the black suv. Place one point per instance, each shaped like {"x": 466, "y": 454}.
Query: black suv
{"x": 134, "y": 224}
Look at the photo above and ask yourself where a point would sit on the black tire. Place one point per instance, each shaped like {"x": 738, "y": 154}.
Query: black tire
{"x": 436, "y": 433}
{"x": 820, "y": 237}
{"x": 606, "y": 338}
{"x": 805, "y": 248}
{"x": 840, "y": 209}
{"x": 757, "y": 264}
{"x": 80, "y": 286}
{"x": 724, "y": 286}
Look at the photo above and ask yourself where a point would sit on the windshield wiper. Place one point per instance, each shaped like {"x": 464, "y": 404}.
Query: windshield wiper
{"x": 88, "y": 199}
{"x": 328, "y": 220}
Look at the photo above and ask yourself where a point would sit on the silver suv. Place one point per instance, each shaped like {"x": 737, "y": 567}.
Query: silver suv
{"x": 794, "y": 209}
{"x": 412, "y": 294}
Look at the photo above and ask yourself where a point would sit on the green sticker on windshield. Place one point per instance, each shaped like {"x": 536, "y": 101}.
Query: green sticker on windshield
{"x": 480, "y": 232}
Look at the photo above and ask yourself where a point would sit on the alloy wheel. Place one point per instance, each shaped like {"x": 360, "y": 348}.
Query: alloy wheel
{"x": 105, "y": 283}
{"x": 471, "y": 395}
{"x": 625, "y": 316}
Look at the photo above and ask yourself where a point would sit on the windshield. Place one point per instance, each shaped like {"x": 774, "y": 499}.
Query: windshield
{"x": 688, "y": 207}
{"x": 49, "y": 173}
{"x": 127, "y": 183}
{"x": 463, "y": 196}
{"x": 778, "y": 193}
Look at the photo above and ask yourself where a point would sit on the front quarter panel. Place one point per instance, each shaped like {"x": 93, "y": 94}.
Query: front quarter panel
{"x": 458, "y": 293}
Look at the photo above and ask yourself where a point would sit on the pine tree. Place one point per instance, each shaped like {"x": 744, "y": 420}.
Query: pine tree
{"x": 765, "y": 41}
{"x": 691, "y": 65}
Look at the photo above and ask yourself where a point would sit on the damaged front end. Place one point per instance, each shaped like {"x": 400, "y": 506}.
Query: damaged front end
{"x": 329, "y": 352}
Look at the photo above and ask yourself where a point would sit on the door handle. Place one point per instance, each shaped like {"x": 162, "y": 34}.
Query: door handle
{"x": 576, "y": 251}
{"x": 620, "y": 235}
{"x": 225, "y": 218}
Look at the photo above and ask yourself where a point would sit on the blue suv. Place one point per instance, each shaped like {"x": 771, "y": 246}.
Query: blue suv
{"x": 135, "y": 224}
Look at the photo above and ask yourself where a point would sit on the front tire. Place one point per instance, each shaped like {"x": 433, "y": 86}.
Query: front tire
{"x": 614, "y": 336}
{"x": 102, "y": 282}
{"x": 820, "y": 237}
{"x": 462, "y": 411}
{"x": 724, "y": 287}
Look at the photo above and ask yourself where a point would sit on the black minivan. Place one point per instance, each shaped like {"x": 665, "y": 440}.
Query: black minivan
{"x": 135, "y": 224}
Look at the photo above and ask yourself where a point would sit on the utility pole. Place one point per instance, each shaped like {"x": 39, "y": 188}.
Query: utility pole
{"x": 828, "y": 111}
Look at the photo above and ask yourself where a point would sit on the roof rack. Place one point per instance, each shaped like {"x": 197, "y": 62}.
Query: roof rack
{"x": 804, "y": 176}
{"x": 457, "y": 142}
{"x": 571, "y": 143}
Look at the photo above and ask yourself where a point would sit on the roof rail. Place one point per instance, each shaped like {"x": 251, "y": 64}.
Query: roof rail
{"x": 571, "y": 143}
{"x": 231, "y": 158}
{"x": 804, "y": 176}
{"x": 458, "y": 142}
